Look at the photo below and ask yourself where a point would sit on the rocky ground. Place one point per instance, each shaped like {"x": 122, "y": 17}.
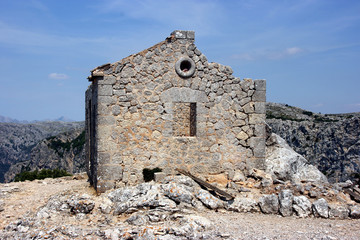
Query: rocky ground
{"x": 172, "y": 208}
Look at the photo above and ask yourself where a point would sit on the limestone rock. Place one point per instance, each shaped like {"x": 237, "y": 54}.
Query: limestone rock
{"x": 285, "y": 164}
{"x": 266, "y": 179}
{"x": 338, "y": 211}
{"x": 243, "y": 204}
{"x": 286, "y": 202}
{"x": 177, "y": 193}
{"x": 320, "y": 208}
{"x": 238, "y": 177}
{"x": 269, "y": 204}
{"x": 355, "y": 211}
{"x": 301, "y": 206}
{"x": 81, "y": 205}
{"x": 209, "y": 200}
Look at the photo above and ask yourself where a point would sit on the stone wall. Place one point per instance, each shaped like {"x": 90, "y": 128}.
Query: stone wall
{"x": 168, "y": 107}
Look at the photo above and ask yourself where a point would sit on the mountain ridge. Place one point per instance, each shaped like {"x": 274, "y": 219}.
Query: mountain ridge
{"x": 331, "y": 142}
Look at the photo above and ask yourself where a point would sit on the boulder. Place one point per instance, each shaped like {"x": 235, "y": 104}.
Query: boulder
{"x": 82, "y": 204}
{"x": 177, "y": 193}
{"x": 302, "y": 206}
{"x": 266, "y": 179}
{"x": 269, "y": 204}
{"x": 209, "y": 200}
{"x": 238, "y": 177}
{"x": 355, "y": 211}
{"x": 320, "y": 208}
{"x": 283, "y": 163}
{"x": 338, "y": 211}
{"x": 286, "y": 202}
{"x": 243, "y": 204}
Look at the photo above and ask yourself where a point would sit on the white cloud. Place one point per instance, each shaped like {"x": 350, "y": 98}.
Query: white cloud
{"x": 293, "y": 50}
{"x": 184, "y": 14}
{"x": 268, "y": 54}
{"x": 60, "y": 76}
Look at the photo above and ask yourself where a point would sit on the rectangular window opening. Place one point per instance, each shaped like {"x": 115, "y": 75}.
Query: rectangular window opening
{"x": 192, "y": 119}
{"x": 184, "y": 119}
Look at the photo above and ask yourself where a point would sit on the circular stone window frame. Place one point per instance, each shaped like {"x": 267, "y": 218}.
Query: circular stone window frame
{"x": 180, "y": 64}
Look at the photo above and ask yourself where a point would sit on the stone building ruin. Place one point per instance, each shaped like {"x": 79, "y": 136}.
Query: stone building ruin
{"x": 168, "y": 107}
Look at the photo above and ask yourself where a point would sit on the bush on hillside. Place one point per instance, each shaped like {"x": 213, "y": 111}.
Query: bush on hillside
{"x": 44, "y": 173}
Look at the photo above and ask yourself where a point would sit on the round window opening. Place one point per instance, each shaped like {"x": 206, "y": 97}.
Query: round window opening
{"x": 185, "y": 67}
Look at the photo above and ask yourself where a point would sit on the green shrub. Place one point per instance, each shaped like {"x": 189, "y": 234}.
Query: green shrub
{"x": 308, "y": 113}
{"x": 284, "y": 117}
{"x": 44, "y": 173}
{"x": 149, "y": 173}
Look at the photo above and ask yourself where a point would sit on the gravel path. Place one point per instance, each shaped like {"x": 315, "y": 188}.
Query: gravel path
{"x": 25, "y": 198}
{"x": 261, "y": 226}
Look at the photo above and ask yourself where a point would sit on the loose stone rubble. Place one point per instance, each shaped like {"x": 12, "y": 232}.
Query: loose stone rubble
{"x": 170, "y": 209}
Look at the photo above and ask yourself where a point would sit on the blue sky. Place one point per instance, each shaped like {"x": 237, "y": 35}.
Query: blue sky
{"x": 307, "y": 50}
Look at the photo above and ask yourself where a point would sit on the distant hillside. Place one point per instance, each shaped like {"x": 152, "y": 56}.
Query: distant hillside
{"x": 18, "y": 140}
{"x": 329, "y": 141}
{"x": 4, "y": 119}
{"x": 10, "y": 120}
{"x": 63, "y": 151}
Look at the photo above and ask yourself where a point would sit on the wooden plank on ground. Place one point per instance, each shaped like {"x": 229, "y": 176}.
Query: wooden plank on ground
{"x": 356, "y": 190}
{"x": 205, "y": 184}
{"x": 354, "y": 195}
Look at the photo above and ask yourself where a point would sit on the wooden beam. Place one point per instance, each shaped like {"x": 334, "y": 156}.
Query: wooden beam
{"x": 354, "y": 195}
{"x": 205, "y": 184}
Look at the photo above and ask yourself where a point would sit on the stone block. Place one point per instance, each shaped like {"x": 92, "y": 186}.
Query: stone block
{"x": 244, "y": 101}
{"x": 159, "y": 177}
{"x": 108, "y": 100}
{"x": 260, "y": 130}
{"x": 177, "y": 94}
{"x": 108, "y": 79}
{"x": 109, "y": 172}
{"x": 106, "y": 120}
{"x": 286, "y": 201}
{"x": 355, "y": 211}
{"x": 339, "y": 211}
{"x": 242, "y": 136}
{"x": 105, "y": 90}
{"x": 249, "y": 108}
{"x": 190, "y": 34}
{"x": 257, "y": 144}
{"x": 120, "y": 92}
{"x": 260, "y": 107}
{"x": 103, "y": 158}
{"x": 259, "y": 96}
{"x": 260, "y": 85}
{"x": 117, "y": 159}
{"x": 320, "y": 208}
{"x": 301, "y": 206}
{"x": 256, "y": 119}
{"x": 178, "y": 34}
{"x": 269, "y": 204}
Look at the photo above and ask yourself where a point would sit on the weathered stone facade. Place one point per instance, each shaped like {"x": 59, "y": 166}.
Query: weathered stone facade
{"x": 168, "y": 107}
